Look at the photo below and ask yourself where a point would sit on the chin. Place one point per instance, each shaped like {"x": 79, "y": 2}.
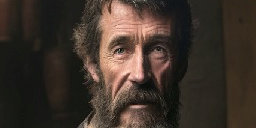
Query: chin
{"x": 142, "y": 117}
{"x": 144, "y": 124}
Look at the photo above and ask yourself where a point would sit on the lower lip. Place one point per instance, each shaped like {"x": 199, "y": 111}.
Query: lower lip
{"x": 139, "y": 106}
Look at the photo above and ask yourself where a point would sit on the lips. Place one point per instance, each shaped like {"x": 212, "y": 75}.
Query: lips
{"x": 141, "y": 105}
{"x": 141, "y": 102}
{"x": 139, "y": 109}
{"x": 138, "y": 106}
{"x": 136, "y": 98}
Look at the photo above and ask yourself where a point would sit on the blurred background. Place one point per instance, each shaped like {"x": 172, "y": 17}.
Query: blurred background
{"x": 41, "y": 77}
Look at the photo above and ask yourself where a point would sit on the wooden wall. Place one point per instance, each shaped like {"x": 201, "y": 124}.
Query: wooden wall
{"x": 10, "y": 17}
{"x": 212, "y": 74}
{"x": 203, "y": 92}
{"x": 239, "y": 18}
{"x": 40, "y": 76}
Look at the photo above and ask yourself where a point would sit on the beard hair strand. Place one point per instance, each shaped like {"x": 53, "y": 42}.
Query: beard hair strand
{"x": 107, "y": 112}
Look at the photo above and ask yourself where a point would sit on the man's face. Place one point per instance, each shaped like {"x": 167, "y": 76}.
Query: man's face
{"x": 135, "y": 56}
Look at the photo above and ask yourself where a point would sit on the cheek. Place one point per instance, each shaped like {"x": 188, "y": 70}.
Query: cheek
{"x": 162, "y": 74}
{"x": 113, "y": 75}
{"x": 108, "y": 74}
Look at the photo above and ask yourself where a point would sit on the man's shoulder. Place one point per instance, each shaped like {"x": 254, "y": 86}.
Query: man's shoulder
{"x": 85, "y": 123}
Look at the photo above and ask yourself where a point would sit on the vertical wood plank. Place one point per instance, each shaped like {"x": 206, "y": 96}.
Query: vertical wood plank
{"x": 9, "y": 19}
{"x": 4, "y": 20}
{"x": 240, "y": 50}
{"x": 30, "y": 19}
{"x": 57, "y": 79}
{"x": 203, "y": 94}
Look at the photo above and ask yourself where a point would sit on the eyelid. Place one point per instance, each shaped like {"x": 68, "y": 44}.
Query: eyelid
{"x": 128, "y": 48}
{"x": 154, "y": 45}
{"x": 116, "y": 41}
{"x": 166, "y": 41}
{"x": 116, "y": 48}
{"x": 160, "y": 45}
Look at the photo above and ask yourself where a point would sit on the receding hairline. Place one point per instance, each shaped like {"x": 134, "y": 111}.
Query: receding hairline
{"x": 107, "y": 8}
{"x": 139, "y": 9}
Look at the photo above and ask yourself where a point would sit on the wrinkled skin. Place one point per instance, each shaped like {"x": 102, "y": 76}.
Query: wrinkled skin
{"x": 135, "y": 50}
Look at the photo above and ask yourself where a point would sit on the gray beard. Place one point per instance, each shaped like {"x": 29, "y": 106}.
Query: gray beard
{"x": 107, "y": 113}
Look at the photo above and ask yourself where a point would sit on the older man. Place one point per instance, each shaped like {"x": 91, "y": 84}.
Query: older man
{"x": 135, "y": 53}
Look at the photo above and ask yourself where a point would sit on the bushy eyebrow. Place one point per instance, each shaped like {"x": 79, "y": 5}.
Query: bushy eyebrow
{"x": 148, "y": 43}
{"x": 158, "y": 39}
{"x": 119, "y": 40}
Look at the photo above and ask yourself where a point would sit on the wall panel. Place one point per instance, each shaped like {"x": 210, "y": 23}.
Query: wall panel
{"x": 240, "y": 52}
{"x": 203, "y": 89}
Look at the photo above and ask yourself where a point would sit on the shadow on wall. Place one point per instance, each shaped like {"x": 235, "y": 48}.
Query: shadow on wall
{"x": 40, "y": 76}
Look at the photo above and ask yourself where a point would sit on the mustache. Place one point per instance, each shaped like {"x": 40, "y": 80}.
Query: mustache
{"x": 137, "y": 94}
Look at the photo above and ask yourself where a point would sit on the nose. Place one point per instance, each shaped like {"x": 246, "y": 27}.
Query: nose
{"x": 139, "y": 69}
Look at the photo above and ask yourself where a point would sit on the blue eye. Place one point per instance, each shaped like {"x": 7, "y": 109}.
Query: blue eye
{"x": 119, "y": 51}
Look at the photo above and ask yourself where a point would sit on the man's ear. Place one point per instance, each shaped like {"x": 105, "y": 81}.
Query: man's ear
{"x": 91, "y": 68}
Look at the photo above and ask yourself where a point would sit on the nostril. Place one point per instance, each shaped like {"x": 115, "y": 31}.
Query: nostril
{"x": 140, "y": 77}
{"x": 147, "y": 85}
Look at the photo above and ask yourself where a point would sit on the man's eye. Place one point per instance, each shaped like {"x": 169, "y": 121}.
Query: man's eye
{"x": 119, "y": 51}
{"x": 158, "y": 52}
{"x": 158, "y": 49}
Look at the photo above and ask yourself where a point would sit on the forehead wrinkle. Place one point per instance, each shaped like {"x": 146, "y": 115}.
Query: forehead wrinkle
{"x": 163, "y": 28}
{"x": 124, "y": 22}
{"x": 123, "y": 27}
{"x": 156, "y": 25}
{"x": 122, "y": 30}
{"x": 158, "y": 30}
